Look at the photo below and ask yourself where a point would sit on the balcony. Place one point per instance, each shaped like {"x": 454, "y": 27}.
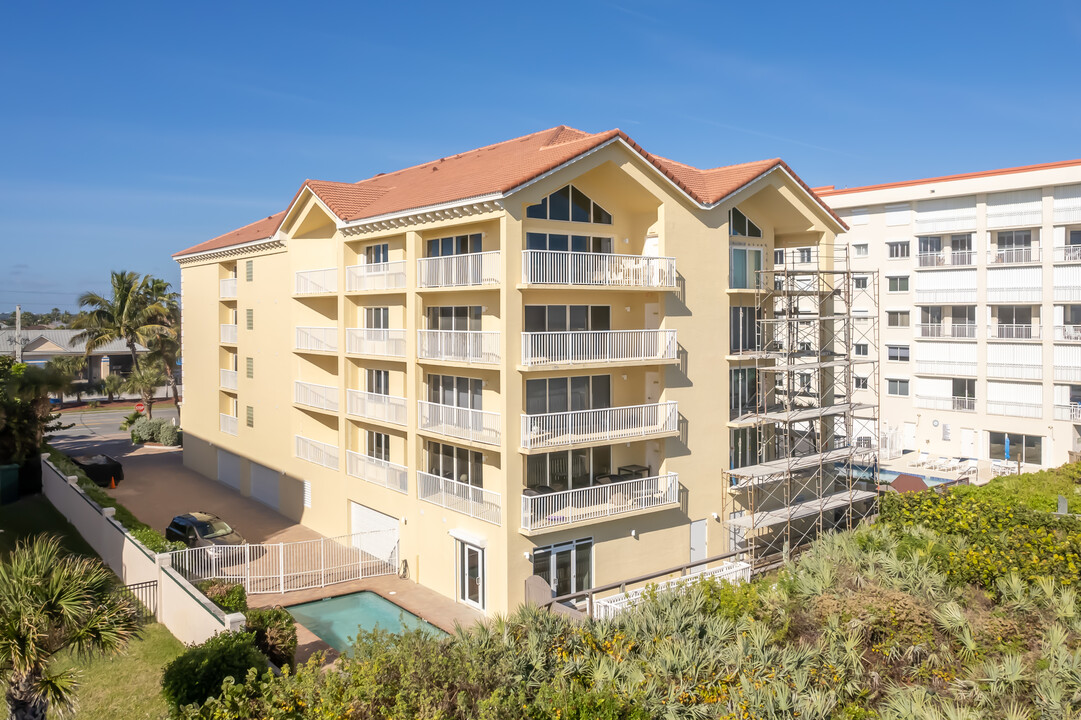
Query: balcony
{"x": 320, "y": 397}
{"x": 634, "y": 422}
{"x": 599, "y": 502}
{"x": 931, "y": 259}
{"x": 1070, "y": 411}
{"x": 1015, "y": 409}
{"x": 228, "y": 424}
{"x": 929, "y": 330}
{"x": 955, "y": 295}
{"x": 963, "y": 258}
{"x": 373, "y": 406}
{"x": 317, "y": 339}
{"x": 1068, "y": 253}
{"x": 227, "y": 288}
{"x": 552, "y": 267}
{"x": 317, "y": 452}
{"x": 1068, "y": 333}
{"x": 376, "y": 276}
{"x": 1013, "y": 256}
{"x": 1014, "y": 371}
{"x": 460, "y": 497}
{"x": 383, "y": 342}
{"x": 956, "y": 404}
{"x": 227, "y": 379}
{"x": 228, "y": 334}
{"x": 466, "y": 346}
{"x": 378, "y": 472}
{"x": 582, "y": 347}
{"x": 473, "y": 425}
{"x": 316, "y": 282}
{"x": 453, "y": 271}
{"x": 965, "y": 331}
{"x": 945, "y": 367}
{"x": 1067, "y": 373}
{"x": 1004, "y": 331}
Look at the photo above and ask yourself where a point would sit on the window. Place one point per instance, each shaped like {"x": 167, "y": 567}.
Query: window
{"x": 449, "y": 317}
{"x": 249, "y": 319}
{"x": 569, "y": 203}
{"x": 898, "y": 249}
{"x": 805, "y": 255}
{"x": 563, "y": 394}
{"x": 860, "y": 282}
{"x": 861, "y": 383}
{"x": 743, "y": 447}
{"x": 250, "y": 367}
{"x": 740, "y": 226}
{"x": 746, "y": 262}
{"x": 565, "y": 243}
{"x": 471, "y": 574}
{"x": 378, "y": 445}
{"x": 778, "y": 257}
{"x": 461, "y": 392}
{"x": 897, "y": 388}
{"x": 377, "y": 318}
{"x": 561, "y": 318}
{"x": 377, "y": 254}
{"x": 455, "y": 463}
{"x": 567, "y": 567}
{"x": 569, "y": 469}
{"x": 377, "y": 381}
{"x": 743, "y": 390}
{"x": 860, "y": 349}
{"x": 248, "y": 270}
{"x": 898, "y": 353}
{"x": 897, "y": 318}
{"x": 1027, "y": 448}
{"x": 457, "y": 245}
{"x": 863, "y": 442}
{"x": 249, "y": 416}
{"x": 743, "y": 328}
{"x": 898, "y": 284}
{"x": 861, "y": 250}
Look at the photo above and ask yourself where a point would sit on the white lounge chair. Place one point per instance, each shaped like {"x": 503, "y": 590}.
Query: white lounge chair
{"x": 969, "y": 468}
{"x": 950, "y": 465}
{"x": 921, "y": 459}
{"x": 936, "y": 463}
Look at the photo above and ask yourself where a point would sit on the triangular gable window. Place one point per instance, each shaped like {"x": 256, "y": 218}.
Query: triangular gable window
{"x": 740, "y": 226}
{"x": 570, "y": 204}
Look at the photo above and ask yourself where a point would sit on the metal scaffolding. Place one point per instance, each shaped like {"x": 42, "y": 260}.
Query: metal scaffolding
{"x": 805, "y": 437}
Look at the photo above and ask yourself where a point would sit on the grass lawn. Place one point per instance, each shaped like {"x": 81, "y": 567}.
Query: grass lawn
{"x": 34, "y": 515}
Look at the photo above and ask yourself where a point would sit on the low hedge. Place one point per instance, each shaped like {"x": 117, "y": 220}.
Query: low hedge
{"x": 275, "y": 633}
{"x": 159, "y": 430}
{"x": 230, "y": 597}
{"x": 198, "y": 672}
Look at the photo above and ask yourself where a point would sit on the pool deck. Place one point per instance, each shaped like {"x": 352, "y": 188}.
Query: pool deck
{"x": 426, "y": 604}
{"x": 904, "y": 464}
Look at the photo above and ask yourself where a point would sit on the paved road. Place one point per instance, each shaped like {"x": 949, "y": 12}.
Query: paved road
{"x": 100, "y": 426}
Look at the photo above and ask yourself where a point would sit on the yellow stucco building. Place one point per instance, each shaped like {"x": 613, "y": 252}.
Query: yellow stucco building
{"x": 519, "y": 357}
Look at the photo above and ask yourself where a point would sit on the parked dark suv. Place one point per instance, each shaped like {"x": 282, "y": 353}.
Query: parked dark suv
{"x": 101, "y": 469}
{"x": 200, "y": 529}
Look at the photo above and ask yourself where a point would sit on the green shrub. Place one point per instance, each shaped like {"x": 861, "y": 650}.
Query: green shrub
{"x": 154, "y": 541}
{"x": 198, "y": 672}
{"x": 130, "y": 420}
{"x": 275, "y": 633}
{"x": 169, "y": 435}
{"x": 147, "y": 430}
{"x": 230, "y": 597}
{"x": 94, "y": 404}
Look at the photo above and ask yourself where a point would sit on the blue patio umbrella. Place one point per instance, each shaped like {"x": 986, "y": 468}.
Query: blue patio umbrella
{"x": 1007, "y": 447}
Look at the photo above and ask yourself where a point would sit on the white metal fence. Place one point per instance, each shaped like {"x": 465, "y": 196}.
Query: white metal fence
{"x": 376, "y": 471}
{"x": 324, "y": 397}
{"x": 602, "y": 425}
{"x": 374, "y": 406}
{"x": 317, "y": 452}
{"x": 376, "y": 276}
{"x": 592, "y": 346}
{"x": 609, "y": 607}
{"x": 474, "y": 425}
{"x": 284, "y": 567}
{"x": 322, "y": 339}
{"x": 460, "y": 497}
{"x": 571, "y": 506}
{"x": 481, "y": 268}
{"x": 477, "y": 346}
{"x": 310, "y": 282}
{"x": 556, "y": 267}
{"x": 375, "y": 341}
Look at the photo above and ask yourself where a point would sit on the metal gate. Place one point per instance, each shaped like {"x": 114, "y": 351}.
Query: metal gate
{"x": 283, "y": 567}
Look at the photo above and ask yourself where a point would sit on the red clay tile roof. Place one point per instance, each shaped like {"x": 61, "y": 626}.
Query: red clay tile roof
{"x": 833, "y": 190}
{"x": 258, "y": 230}
{"x": 500, "y": 168}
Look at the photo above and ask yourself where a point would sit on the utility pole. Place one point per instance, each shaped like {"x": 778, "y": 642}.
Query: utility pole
{"x": 18, "y": 333}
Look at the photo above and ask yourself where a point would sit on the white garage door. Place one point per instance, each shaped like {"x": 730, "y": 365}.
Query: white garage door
{"x": 229, "y": 469}
{"x": 264, "y": 485}
{"x": 380, "y": 532}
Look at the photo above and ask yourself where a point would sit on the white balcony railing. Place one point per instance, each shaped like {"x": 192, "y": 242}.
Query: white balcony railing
{"x": 228, "y": 334}
{"x": 319, "y": 339}
{"x": 1070, "y": 411}
{"x": 556, "y": 509}
{"x": 471, "y": 346}
{"x": 931, "y": 259}
{"x": 1015, "y": 294}
{"x": 953, "y": 330}
{"x": 317, "y": 452}
{"x": 227, "y": 288}
{"x": 963, "y": 330}
{"x": 228, "y": 379}
{"x": 1068, "y": 333}
{"x": 384, "y": 342}
{"x": 945, "y": 367}
{"x": 554, "y": 267}
{"x": 228, "y": 424}
{"x": 946, "y": 295}
{"x": 1068, "y": 253}
{"x": 1007, "y": 331}
{"x": 961, "y": 258}
{"x": 1014, "y": 371}
{"x": 324, "y": 397}
{"x": 597, "y": 346}
{"x": 1013, "y": 256}
{"x": 1015, "y": 409}
{"x": 473, "y": 425}
{"x": 483, "y": 268}
{"x": 375, "y": 276}
{"x": 601, "y": 426}
{"x": 374, "y": 406}
{"x": 313, "y": 282}
{"x": 929, "y": 330}
{"x": 378, "y": 472}
{"x": 958, "y": 404}
{"x": 460, "y": 497}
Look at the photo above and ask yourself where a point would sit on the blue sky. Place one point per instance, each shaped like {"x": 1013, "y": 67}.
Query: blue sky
{"x": 135, "y": 130}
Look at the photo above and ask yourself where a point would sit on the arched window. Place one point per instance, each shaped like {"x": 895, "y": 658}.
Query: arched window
{"x": 739, "y": 225}
{"x": 571, "y": 204}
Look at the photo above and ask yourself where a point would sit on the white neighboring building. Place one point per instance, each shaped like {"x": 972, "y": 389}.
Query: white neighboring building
{"x": 980, "y": 308}
{"x": 40, "y": 346}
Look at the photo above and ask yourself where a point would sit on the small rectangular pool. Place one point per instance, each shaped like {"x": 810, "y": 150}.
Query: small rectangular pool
{"x": 336, "y": 619}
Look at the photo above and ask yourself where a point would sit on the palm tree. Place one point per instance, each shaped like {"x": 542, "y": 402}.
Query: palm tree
{"x": 30, "y": 416}
{"x": 165, "y": 347}
{"x": 51, "y": 602}
{"x": 146, "y": 380}
{"x": 112, "y": 385}
{"x": 132, "y": 315}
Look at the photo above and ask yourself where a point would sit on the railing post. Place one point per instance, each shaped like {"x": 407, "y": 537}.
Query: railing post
{"x": 281, "y": 567}
{"x": 247, "y": 568}
{"x": 322, "y": 563}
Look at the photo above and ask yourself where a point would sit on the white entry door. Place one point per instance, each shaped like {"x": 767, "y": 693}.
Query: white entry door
{"x": 471, "y": 574}
{"x": 698, "y": 540}
{"x": 910, "y": 436}
{"x": 968, "y": 443}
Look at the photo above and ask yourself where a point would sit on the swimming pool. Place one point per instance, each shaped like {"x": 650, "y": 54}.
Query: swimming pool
{"x": 887, "y": 476}
{"x": 336, "y": 619}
